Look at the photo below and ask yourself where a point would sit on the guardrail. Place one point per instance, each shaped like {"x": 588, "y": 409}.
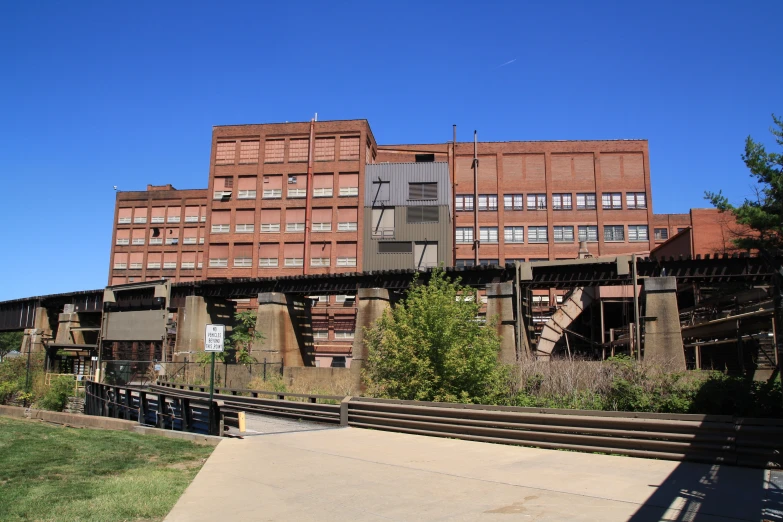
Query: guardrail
{"x": 706, "y": 438}
{"x": 156, "y": 409}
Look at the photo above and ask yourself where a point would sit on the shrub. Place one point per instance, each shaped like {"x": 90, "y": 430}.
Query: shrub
{"x": 56, "y": 397}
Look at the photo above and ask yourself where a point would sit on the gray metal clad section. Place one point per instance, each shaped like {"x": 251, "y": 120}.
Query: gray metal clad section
{"x": 399, "y": 175}
{"x": 440, "y": 232}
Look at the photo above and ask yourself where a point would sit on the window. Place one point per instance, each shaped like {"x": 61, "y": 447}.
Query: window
{"x": 343, "y": 298}
{"x": 170, "y": 265}
{"x": 558, "y": 299}
{"x": 267, "y": 262}
{"x": 563, "y": 234}
{"x": 464, "y": 203}
{"x": 540, "y": 300}
{"x": 124, "y": 220}
{"x": 123, "y": 241}
{"x": 425, "y": 158}
{"x": 319, "y": 261}
{"x": 421, "y": 191}
{"x": 225, "y": 152}
{"x": 637, "y": 233}
{"x": 349, "y": 148}
{"x": 201, "y": 241}
{"x": 536, "y": 201}
{"x": 246, "y": 194}
{"x": 153, "y": 265}
{"x": 465, "y": 263}
{"x": 349, "y": 191}
{"x": 120, "y": 266}
{"x": 245, "y": 228}
{"x": 173, "y": 219}
{"x": 222, "y": 195}
{"x": 635, "y": 200}
{"x": 380, "y": 191}
{"x": 382, "y": 222}
{"x": 395, "y": 247}
{"x": 514, "y": 234}
{"x": 138, "y": 241}
{"x": 322, "y": 227}
{"x": 511, "y": 261}
{"x": 489, "y": 262}
{"x": 425, "y": 254}
{"x": 346, "y": 261}
{"x": 188, "y": 265}
{"x": 274, "y": 151}
{"x": 325, "y": 192}
{"x": 679, "y": 230}
{"x": 221, "y": 229}
{"x": 537, "y": 235}
{"x": 189, "y": 241}
{"x": 248, "y": 152}
{"x": 270, "y": 227}
{"x": 191, "y": 219}
{"x": 343, "y": 334}
{"x": 488, "y": 234}
{"x": 272, "y": 194}
{"x": 172, "y": 241}
{"x": 614, "y": 233}
{"x": 422, "y": 214}
{"x": 513, "y": 202}
{"x": 488, "y": 202}
{"x": 294, "y": 227}
{"x": 320, "y": 334}
{"x": 612, "y": 200}
{"x": 585, "y": 201}
{"x": 294, "y": 261}
{"x": 464, "y": 235}
{"x": 292, "y": 179}
{"x": 157, "y": 219}
{"x": 561, "y": 201}
{"x": 324, "y": 149}
{"x": 297, "y": 193}
{"x": 156, "y": 241}
{"x": 661, "y": 234}
{"x": 588, "y": 233}
{"x": 218, "y": 262}
{"x": 347, "y": 226}
{"x": 140, "y": 219}
{"x": 298, "y": 150}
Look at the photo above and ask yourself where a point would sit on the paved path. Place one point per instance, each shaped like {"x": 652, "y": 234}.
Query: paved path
{"x": 354, "y": 474}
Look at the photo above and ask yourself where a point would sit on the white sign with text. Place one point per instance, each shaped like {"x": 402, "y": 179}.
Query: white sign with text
{"x": 213, "y": 338}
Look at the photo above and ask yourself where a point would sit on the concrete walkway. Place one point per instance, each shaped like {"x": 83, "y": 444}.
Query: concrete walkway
{"x": 355, "y": 474}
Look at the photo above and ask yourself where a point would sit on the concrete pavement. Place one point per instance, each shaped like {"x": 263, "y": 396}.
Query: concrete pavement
{"x": 356, "y": 474}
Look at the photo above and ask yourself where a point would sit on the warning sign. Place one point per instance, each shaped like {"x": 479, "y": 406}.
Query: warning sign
{"x": 213, "y": 338}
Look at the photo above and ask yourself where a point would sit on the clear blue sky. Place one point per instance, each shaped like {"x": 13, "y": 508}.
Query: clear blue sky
{"x": 96, "y": 94}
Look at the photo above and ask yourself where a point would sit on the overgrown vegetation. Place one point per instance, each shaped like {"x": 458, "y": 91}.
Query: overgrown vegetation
{"x": 56, "y": 396}
{"x": 433, "y": 347}
{"x": 9, "y": 342}
{"x": 237, "y": 346}
{"x": 63, "y": 474}
{"x": 14, "y": 375}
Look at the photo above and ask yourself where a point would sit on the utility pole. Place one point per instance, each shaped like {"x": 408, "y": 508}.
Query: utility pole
{"x": 637, "y": 331}
{"x": 476, "y": 241}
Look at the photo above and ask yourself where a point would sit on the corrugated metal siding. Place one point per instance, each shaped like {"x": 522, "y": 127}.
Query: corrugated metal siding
{"x": 440, "y": 232}
{"x": 400, "y": 174}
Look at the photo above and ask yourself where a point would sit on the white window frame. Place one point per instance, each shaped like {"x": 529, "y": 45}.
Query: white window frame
{"x": 514, "y": 234}
{"x": 536, "y": 201}
{"x": 635, "y": 200}
{"x": 293, "y": 262}
{"x": 296, "y": 193}
{"x": 137, "y": 241}
{"x": 342, "y": 298}
{"x": 272, "y": 194}
{"x": 158, "y": 219}
{"x": 562, "y": 201}
{"x": 140, "y": 219}
{"x": 245, "y": 228}
{"x": 633, "y": 233}
{"x": 153, "y": 266}
{"x": 156, "y": 241}
{"x": 586, "y": 198}
{"x": 267, "y": 262}
{"x": 136, "y": 266}
{"x": 349, "y": 191}
{"x": 464, "y": 235}
{"x": 172, "y": 241}
{"x": 587, "y": 229}
{"x": 347, "y": 226}
{"x": 243, "y": 262}
{"x": 218, "y": 262}
{"x": 534, "y": 234}
{"x": 201, "y": 241}
{"x": 191, "y": 219}
{"x": 270, "y": 227}
{"x": 124, "y": 221}
{"x": 221, "y": 194}
{"x": 246, "y": 194}
{"x": 120, "y": 266}
{"x": 614, "y": 229}
{"x": 346, "y": 261}
{"x": 320, "y": 261}
{"x": 294, "y": 227}
{"x": 659, "y": 237}
{"x": 220, "y": 229}
{"x": 488, "y": 235}
{"x": 563, "y": 233}
{"x": 123, "y": 241}
{"x": 513, "y": 202}
{"x": 612, "y": 201}
{"x": 325, "y": 192}
{"x": 344, "y": 334}
{"x": 188, "y": 265}
{"x": 173, "y": 219}
{"x": 170, "y": 265}
{"x": 322, "y": 227}
{"x": 464, "y": 203}
{"x": 189, "y": 241}
{"x": 488, "y": 202}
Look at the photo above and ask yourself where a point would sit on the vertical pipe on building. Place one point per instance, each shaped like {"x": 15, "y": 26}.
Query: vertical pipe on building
{"x": 476, "y": 242}
{"x": 454, "y": 197}
{"x": 637, "y": 330}
{"x": 309, "y": 198}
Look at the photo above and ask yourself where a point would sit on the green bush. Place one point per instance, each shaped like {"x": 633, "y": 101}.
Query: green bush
{"x": 56, "y": 397}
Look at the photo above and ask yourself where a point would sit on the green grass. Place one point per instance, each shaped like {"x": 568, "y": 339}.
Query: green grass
{"x": 52, "y": 473}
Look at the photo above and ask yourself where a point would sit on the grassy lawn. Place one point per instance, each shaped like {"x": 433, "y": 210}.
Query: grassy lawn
{"x": 55, "y": 473}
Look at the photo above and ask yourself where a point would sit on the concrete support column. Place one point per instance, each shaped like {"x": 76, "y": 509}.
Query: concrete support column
{"x": 500, "y": 303}
{"x": 663, "y": 337}
{"x": 370, "y": 306}
{"x": 276, "y": 321}
{"x": 192, "y": 320}
{"x": 65, "y": 333}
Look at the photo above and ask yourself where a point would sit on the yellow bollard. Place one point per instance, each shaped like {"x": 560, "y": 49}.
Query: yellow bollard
{"x": 241, "y": 416}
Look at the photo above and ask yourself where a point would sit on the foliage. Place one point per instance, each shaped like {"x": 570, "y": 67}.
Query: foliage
{"x": 764, "y": 214}
{"x": 433, "y": 347}
{"x": 237, "y": 346}
{"x": 56, "y": 397}
{"x": 13, "y": 376}
{"x": 9, "y": 342}
{"x": 63, "y": 474}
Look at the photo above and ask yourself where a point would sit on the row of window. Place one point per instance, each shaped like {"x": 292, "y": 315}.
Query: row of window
{"x": 560, "y": 234}
{"x": 159, "y": 241}
{"x": 185, "y": 265}
{"x": 273, "y": 262}
{"x": 274, "y": 150}
{"x": 562, "y": 201}
{"x": 291, "y": 193}
{"x": 126, "y": 220}
{"x": 246, "y": 228}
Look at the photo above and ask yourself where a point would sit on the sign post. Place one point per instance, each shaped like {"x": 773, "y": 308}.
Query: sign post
{"x": 213, "y": 342}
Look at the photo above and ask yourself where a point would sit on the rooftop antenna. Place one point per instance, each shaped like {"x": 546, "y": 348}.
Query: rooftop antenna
{"x": 316, "y": 116}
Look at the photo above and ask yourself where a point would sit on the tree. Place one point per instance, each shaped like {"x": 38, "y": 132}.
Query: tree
{"x": 237, "y": 345}
{"x": 432, "y": 346}
{"x": 763, "y": 216}
{"x": 9, "y": 342}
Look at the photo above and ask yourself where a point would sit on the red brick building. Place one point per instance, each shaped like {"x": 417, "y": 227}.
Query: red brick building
{"x": 703, "y": 231}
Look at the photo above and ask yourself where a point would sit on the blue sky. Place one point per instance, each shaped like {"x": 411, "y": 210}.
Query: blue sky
{"x": 97, "y": 94}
